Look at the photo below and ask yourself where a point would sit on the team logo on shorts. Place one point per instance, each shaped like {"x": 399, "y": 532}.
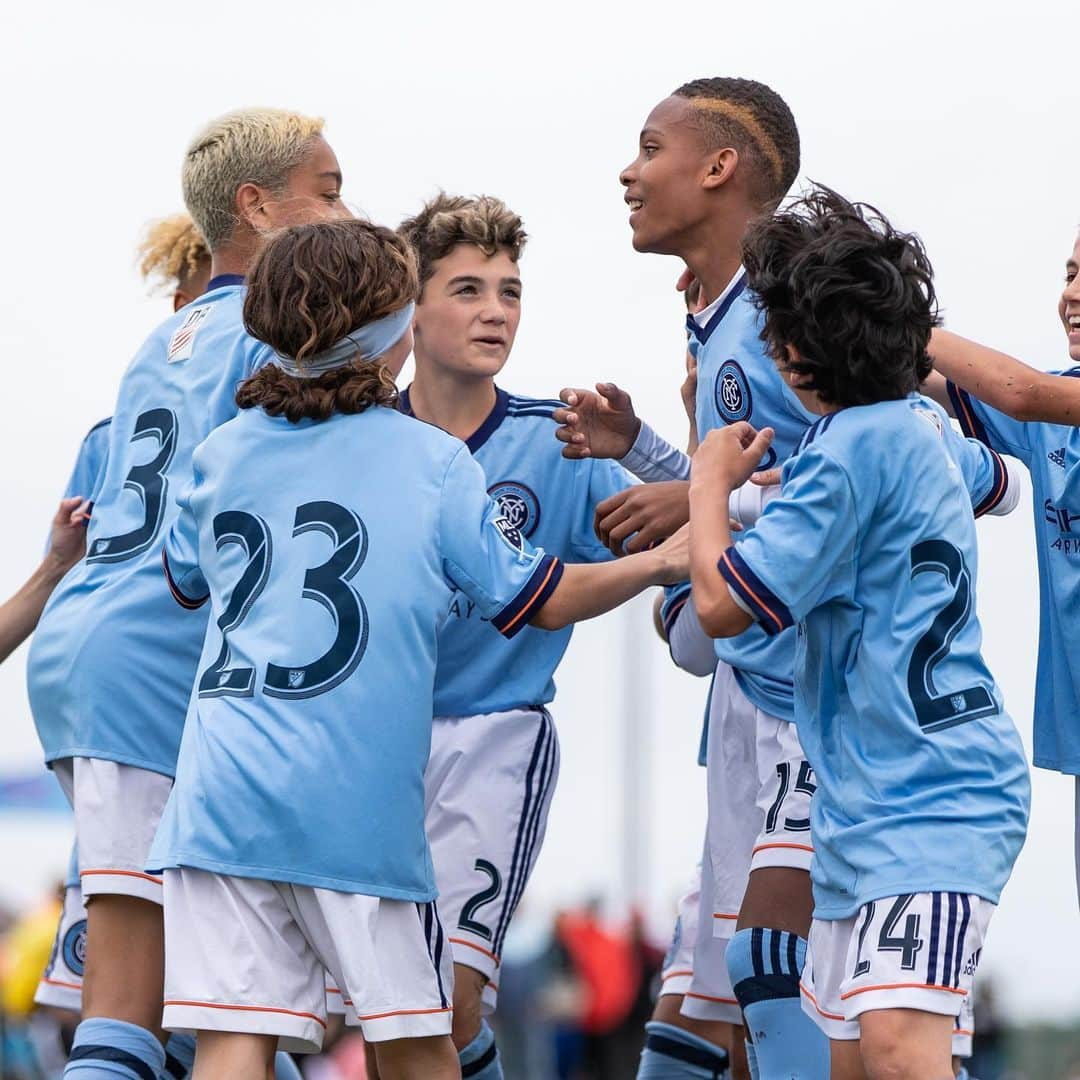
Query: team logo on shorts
{"x": 75, "y": 947}
{"x": 518, "y": 505}
{"x": 733, "y": 393}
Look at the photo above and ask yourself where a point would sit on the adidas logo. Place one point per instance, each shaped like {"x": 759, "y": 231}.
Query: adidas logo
{"x": 1057, "y": 457}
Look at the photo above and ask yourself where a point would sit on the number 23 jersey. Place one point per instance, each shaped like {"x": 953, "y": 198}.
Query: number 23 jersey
{"x": 111, "y": 665}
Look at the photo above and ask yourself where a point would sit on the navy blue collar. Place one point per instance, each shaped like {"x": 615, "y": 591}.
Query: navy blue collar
{"x": 222, "y": 280}
{"x": 484, "y": 431}
{"x": 702, "y": 332}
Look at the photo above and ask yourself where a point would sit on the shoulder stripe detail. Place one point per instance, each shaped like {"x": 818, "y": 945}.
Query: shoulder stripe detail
{"x": 760, "y": 600}
{"x": 189, "y": 602}
{"x": 970, "y": 424}
{"x": 547, "y": 414}
{"x": 517, "y": 401}
{"x": 531, "y": 598}
{"x": 998, "y": 488}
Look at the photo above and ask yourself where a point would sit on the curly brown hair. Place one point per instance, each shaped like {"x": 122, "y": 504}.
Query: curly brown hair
{"x": 449, "y": 220}
{"x": 309, "y": 287}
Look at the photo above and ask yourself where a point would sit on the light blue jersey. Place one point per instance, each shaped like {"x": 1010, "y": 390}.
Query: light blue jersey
{"x": 552, "y": 500}
{"x": 1051, "y": 453}
{"x": 89, "y": 470}
{"x": 738, "y": 380}
{"x": 922, "y": 782}
{"x": 111, "y": 665}
{"x": 329, "y": 553}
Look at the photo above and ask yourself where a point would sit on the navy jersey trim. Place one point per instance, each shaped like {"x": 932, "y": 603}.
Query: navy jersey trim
{"x": 769, "y": 610}
{"x": 818, "y": 427}
{"x": 119, "y": 1057}
{"x": 970, "y": 424}
{"x": 702, "y": 333}
{"x": 97, "y": 426}
{"x": 223, "y": 281}
{"x": 714, "y": 1063}
{"x": 531, "y": 597}
{"x": 672, "y": 605}
{"x": 191, "y": 603}
{"x": 998, "y": 488}
{"x": 483, "y": 432}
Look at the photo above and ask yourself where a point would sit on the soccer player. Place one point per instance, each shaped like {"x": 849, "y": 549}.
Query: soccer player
{"x": 174, "y": 254}
{"x": 330, "y": 533}
{"x": 712, "y": 157}
{"x": 494, "y": 750}
{"x": 922, "y": 798}
{"x": 110, "y": 675}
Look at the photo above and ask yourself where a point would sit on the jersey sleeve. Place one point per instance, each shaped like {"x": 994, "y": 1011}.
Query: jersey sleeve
{"x": 985, "y": 475}
{"x": 180, "y": 556}
{"x": 599, "y": 480}
{"x": 86, "y": 476}
{"x": 691, "y": 648}
{"x": 776, "y": 570}
{"x": 486, "y": 556}
{"x": 991, "y": 427}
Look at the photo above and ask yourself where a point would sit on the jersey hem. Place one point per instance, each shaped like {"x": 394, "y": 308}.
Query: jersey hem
{"x": 468, "y": 714}
{"x": 178, "y": 860}
{"x": 1067, "y": 768}
{"x": 105, "y": 755}
{"x": 828, "y": 913}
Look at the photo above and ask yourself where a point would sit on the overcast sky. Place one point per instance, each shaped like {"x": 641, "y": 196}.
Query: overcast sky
{"x": 958, "y": 124}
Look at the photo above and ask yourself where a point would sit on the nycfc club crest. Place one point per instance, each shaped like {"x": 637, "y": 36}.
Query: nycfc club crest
{"x": 518, "y": 506}
{"x": 75, "y": 947}
{"x": 732, "y": 393}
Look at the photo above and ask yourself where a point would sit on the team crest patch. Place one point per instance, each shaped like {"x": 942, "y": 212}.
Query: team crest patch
{"x": 732, "y": 393}
{"x": 75, "y": 947}
{"x": 183, "y": 339}
{"x": 518, "y": 505}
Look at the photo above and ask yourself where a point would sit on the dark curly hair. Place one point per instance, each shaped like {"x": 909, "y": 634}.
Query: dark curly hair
{"x": 309, "y": 287}
{"x": 852, "y": 294}
{"x": 756, "y": 121}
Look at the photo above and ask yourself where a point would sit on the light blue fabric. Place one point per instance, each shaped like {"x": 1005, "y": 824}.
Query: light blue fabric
{"x": 89, "y": 469}
{"x": 329, "y": 552}
{"x": 1051, "y": 453}
{"x": 672, "y": 1053}
{"x": 480, "y": 1059}
{"x": 105, "y": 1049}
{"x": 179, "y": 1055}
{"x": 285, "y": 1068}
{"x": 111, "y": 664}
{"x": 922, "y": 784}
{"x": 552, "y": 501}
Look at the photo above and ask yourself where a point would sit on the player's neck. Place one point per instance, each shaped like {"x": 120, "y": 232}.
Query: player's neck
{"x": 234, "y": 256}
{"x": 458, "y": 404}
{"x": 715, "y": 254}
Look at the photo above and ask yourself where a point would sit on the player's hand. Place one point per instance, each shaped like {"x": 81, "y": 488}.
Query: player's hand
{"x": 652, "y": 511}
{"x": 767, "y": 477}
{"x": 674, "y": 554}
{"x": 600, "y": 424}
{"x": 729, "y": 455}
{"x": 67, "y": 538}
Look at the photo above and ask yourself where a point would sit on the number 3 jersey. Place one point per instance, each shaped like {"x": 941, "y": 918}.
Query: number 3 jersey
{"x": 329, "y": 553}
{"x": 870, "y": 548}
{"x": 111, "y": 665}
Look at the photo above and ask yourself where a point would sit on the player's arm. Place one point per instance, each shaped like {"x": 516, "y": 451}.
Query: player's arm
{"x": 180, "y": 557}
{"x": 1005, "y": 383}
{"x": 67, "y": 545}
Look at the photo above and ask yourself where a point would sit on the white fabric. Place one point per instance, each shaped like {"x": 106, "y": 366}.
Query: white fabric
{"x": 652, "y": 458}
{"x": 677, "y": 971}
{"x": 483, "y": 807}
{"x": 1011, "y": 499}
{"x": 691, "y": 648}
{"x": 61, "y": 983}
{"x": 703, "y": 316}
{"x": 890, "y": 977}
{"x": 117, "y": 810}
{"x": 747, "y": 503}
{"x": 249, "y": 956}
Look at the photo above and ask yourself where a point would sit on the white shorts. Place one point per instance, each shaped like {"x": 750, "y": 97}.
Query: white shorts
{"x": 677, "y": 971}
{"x": 250, "y": 956}
{"x": 117, "y": 810}
{"x": 61, "y": 984}
{"x": 489, "y": 783}
{"x": 918, "y": 951}
{"x": 760, "y": 785}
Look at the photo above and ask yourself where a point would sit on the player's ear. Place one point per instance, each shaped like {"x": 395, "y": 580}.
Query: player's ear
{"x": 251, "y": 206}
{"x": 721, "y": 165}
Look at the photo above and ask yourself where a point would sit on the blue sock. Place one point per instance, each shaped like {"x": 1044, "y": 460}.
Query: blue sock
{"x": 480, "y": 1059}
{"x": 106, "y": 1049}
{"x": 963, "y": 1074}
{"x": 671, "y": 1053}
{"x": 285, "y": 1068}
{"x": 179, "y": 1057}
{"x": 751, "y": 1061}
{"x": 765, "y": 966}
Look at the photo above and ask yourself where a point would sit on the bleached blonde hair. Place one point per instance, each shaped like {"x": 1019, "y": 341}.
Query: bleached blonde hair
{"x": 171, "y": 251}
{"x": 249, "y": 146}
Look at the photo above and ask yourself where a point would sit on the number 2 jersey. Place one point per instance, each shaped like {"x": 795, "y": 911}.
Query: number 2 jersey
{"x": 1051, "y": 453}
{"x": 111, "y": 664}
{"x": 552, "y": 500}
{"x": 870, "y": 548}
{"x": 329, "y": 552}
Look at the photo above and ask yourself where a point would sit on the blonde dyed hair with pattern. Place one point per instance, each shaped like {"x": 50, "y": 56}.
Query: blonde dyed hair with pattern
{"x": 249, "y": 146}
{"x": 449, "y": 220}
{"x": 171, "y": 251}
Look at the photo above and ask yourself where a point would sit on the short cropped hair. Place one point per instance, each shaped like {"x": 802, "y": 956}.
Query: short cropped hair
{"x": 756, "y": 121}
{"x": 256, "y": 146}
{"x": 309, "y": 287}
{"x": 449, "y": 220}
{"x": 852, "y": 294}
{"x": 171, "y": 251}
